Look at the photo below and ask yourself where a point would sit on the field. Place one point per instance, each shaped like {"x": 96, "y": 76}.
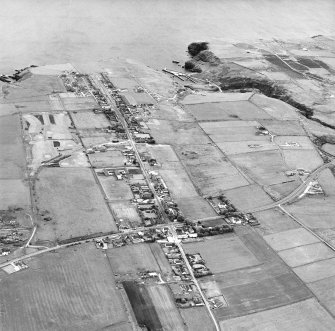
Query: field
{"x": 35, "y": 86}
{"x": 78, "y": 103}
{"x": 301, "y": 255}
{"x": 307, "y": 315}
{"x": 107, "y": 159}
{"x": 89, "y": 120}
{"x": 143, "y": 307}
{"x": 316, "y": 271}
{"x": 139, "y": 257}
{"x": 324, "y": 290}
{"x": 74, "y": 203}
{"x": 115, "y": 189}
{"x": 327, "y": 181}
{"x": 223, "y": 253}
{"x": 303, "y": 141}
{"x": 276, "y": 108}
{"x": 30, "y": 105}
{"x": 243, "y": 110}
{"x": 215, "y": 97}
{"x": 283, "y": 128}
{"x": 273, "y": 221}
{"x": 126, "y": 211}
{"x": 314, "y": 212}
{"x": 267, "y": 284}
{"x": 12, "y": 161}
{"x": 284, "y": 189}
{"x": 290, "y": 238}
{"x": 305, "y": 159}
{"x": 177, "y": 133}
{"x": 195, "y": 207}
{"x": 168, "y": 314}
{"x": 168, "y": 111}
{"x": 122, "y": 83}
{"x": 197, "y": 319}
{"x": 14, "y": 193}
{"x": 233, "y": 131}
{"x": 265, "y": 168}
{"x": 71, "y": 289}
{"x": 209, "y": 169}
{"x": 238, "y": 147}
{"x": 248, "y": 197}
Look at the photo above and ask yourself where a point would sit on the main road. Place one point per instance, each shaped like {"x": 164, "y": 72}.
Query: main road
{"x": 299, "y": 190}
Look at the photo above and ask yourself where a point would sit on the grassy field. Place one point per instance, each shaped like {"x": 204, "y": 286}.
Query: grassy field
{"x": 209, "y": 169}
{"x": 136, "y": 258}
{"x": 301, "y": 255}
{"x": 303, "y": 141}
{"x": 243, "y": 110}
{"x": 223, "y": 253}
{"x": 115, "y": 189}
{"x": 290, "y": 238}
{"x": 315, "y": 212}
{"x": 35, "y": 86}
{"x": 215, "y": 97}
{"x": 89, "y": 120}
{"x": 78, "y": 103}
{"x": 284, "y": 189}
{"x": 306, "y": 315}
{"x": 126, "y": 211}
{"x": 72, "y": 289}
{"x": 316, "y": 271}
{"x": 177, "y": 133}
{"x": 305, "y": 159}
{"x": 273, "y": 221}
{"x": 238, "y": 147}
{"x": 327, "y": 181}
{"x": 195, "y": 207}
{"x": 248, "y": 197}
{"x": 74, "y": 202}
{"x": 324, "y": 290}
{"x": 12, "y": 160}
{"x": 38, "y": 104}
{"x": 265, "y": 168}
{"x": 275, "y": 108}
{"x": 172, "y": 112}
{"x": 236, "y": 131}
{"x": 14, "y": 193}
{"x": 168, "y": 314}
{"x": 197, "y": 319}
{"x": 283, "y": 128}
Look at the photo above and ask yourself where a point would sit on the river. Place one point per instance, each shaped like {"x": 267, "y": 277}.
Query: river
{"x": 152, "y": 31}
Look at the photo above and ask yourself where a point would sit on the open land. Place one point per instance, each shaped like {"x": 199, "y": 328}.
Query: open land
{"x": 73, "y": 201}
{"x": 151, "y": 157}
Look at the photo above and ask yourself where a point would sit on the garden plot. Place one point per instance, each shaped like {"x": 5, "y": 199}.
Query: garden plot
{"x": 126, "y": 211}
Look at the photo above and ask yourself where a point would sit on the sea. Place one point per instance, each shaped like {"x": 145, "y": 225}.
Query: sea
{"x": 151, "y": 31}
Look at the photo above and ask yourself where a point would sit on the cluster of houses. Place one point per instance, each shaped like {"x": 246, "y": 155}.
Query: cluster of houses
{"x": 186, "y": 295}
{"x": 74, "y": 82}
{"x": 176, "y": 261}
{"x": 170, "y": 206}
{"x": 198, "y": 265}
{"x": 123, "y": 239}
{"x": 232, "y": 216}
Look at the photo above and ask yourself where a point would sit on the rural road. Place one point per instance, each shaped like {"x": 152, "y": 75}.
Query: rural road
{"x": 311, "y": 177}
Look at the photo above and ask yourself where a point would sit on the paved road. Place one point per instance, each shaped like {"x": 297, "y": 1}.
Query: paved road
{"x": 299, "y": 190}
{"x": 133, "y": 144}
{"x": 195, "y": 281}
